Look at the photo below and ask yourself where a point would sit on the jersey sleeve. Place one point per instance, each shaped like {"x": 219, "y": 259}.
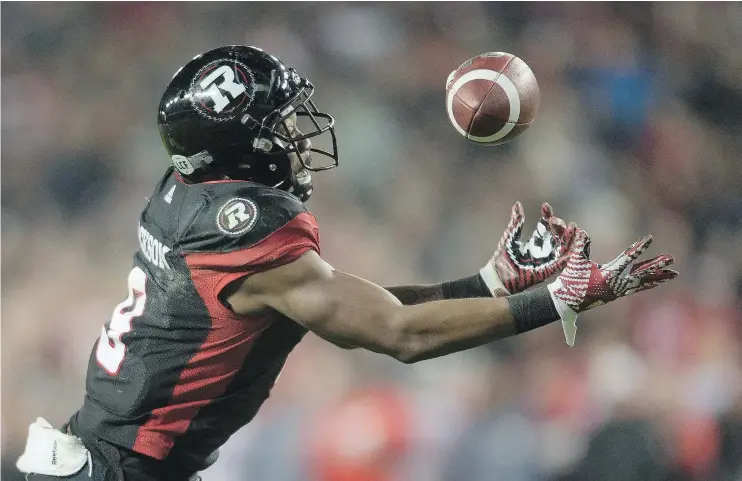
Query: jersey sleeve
{"x": 245, "y": 230}
{"x": 283, "y": 245}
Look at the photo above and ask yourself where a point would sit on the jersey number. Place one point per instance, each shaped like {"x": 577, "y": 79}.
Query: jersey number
{"x": 111, "y": 351}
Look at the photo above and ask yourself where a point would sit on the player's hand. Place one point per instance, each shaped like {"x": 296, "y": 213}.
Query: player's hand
{"x": 517, "y": 265}
{"x": 583, "y": 284}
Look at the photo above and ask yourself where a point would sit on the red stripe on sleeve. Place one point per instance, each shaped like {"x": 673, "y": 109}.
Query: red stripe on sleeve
{"x": 281, "y": 247}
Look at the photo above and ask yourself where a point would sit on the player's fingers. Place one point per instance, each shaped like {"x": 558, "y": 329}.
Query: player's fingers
{"x": 559, "y": 229}
{"x": 636, "y": 249}
{"x": 543, "y": 228}
{"x": 546, "y": 211}
{"x": 629, "y": 255}
{"x": 564, "y": 241}
{"x": 556, "y": 225}
{"x": 517, "y": 217}
{"x": 566, "y": 237}
{"x": 562, "y": 261}
{"x": 517, "y": 210}
{"x": 581, "y": 243}
{"x": 569, "y": 233}
{"x": 655, "y": 278}
{"x": 659, "y": 275}
{"x": 654, "y": 263}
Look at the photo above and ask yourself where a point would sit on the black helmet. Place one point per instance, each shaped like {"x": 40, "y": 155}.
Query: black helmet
{"x": 221, "y": 114}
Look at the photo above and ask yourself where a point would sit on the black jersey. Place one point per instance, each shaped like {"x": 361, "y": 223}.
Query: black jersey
{"x": 175, "y": 371}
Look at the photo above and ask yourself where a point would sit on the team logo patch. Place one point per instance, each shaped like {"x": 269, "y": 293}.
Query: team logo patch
{"x": 237, "y": 216}
{"x": 221, "y": 89}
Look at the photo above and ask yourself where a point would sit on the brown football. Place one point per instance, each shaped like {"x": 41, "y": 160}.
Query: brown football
{"x": 492, "y": 98}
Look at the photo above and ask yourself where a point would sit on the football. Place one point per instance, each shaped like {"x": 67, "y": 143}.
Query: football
{"x": 492, "y": 98}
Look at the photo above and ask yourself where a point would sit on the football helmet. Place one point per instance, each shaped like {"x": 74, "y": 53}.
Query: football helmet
{"x": 225, "y": 112}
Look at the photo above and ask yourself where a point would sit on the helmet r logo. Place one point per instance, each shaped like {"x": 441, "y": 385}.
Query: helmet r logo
{"x": 213, "y": 89}
{"x": 219, "y": 85}
{"x": 237, "y": 216}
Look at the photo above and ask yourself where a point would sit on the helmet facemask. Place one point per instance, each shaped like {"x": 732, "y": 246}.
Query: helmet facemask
{"x": 275, "y": 139}
{"x": 315, "y": 123}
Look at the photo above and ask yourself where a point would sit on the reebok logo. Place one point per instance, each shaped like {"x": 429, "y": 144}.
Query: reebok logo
{"x": 169, "y": 196}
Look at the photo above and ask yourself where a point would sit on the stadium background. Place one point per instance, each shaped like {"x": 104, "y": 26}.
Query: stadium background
{"x": 638, "y": 132}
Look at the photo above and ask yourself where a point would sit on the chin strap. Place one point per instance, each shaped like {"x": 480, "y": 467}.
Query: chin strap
{"x": 302, "y": 186}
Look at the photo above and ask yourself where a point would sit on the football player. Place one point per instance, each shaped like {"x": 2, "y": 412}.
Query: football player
{"x": 229, "y": 278}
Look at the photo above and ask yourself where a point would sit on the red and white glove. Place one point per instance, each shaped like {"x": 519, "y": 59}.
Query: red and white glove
{"x": 583, "y": 284}
{"x": 516, "y": 265}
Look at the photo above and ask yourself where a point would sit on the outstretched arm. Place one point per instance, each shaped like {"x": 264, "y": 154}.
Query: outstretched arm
{"x": 352, "y": 311}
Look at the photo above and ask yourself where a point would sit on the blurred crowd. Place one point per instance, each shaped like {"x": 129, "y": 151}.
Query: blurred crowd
{"x": 638, "y": 132}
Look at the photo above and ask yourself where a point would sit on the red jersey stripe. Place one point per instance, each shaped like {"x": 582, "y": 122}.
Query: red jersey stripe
{"x": 208, "y": 373}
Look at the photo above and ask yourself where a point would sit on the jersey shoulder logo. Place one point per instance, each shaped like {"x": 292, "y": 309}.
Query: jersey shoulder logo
{"x": 221, "y": 89}
{"x": 237, "y": 216}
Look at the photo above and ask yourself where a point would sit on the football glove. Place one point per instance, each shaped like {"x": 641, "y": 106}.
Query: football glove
{"x": 583, "y": 284}
{"x": 517, "y": 265}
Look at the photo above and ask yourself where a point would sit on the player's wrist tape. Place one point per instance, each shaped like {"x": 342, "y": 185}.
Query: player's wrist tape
{"x": 492, "y": 279}
{"x": 467, "y": 287}
{"x": 532, "y": 309}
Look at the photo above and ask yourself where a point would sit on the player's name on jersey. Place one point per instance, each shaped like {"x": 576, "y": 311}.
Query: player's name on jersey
{"x": 152, "y": 249}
